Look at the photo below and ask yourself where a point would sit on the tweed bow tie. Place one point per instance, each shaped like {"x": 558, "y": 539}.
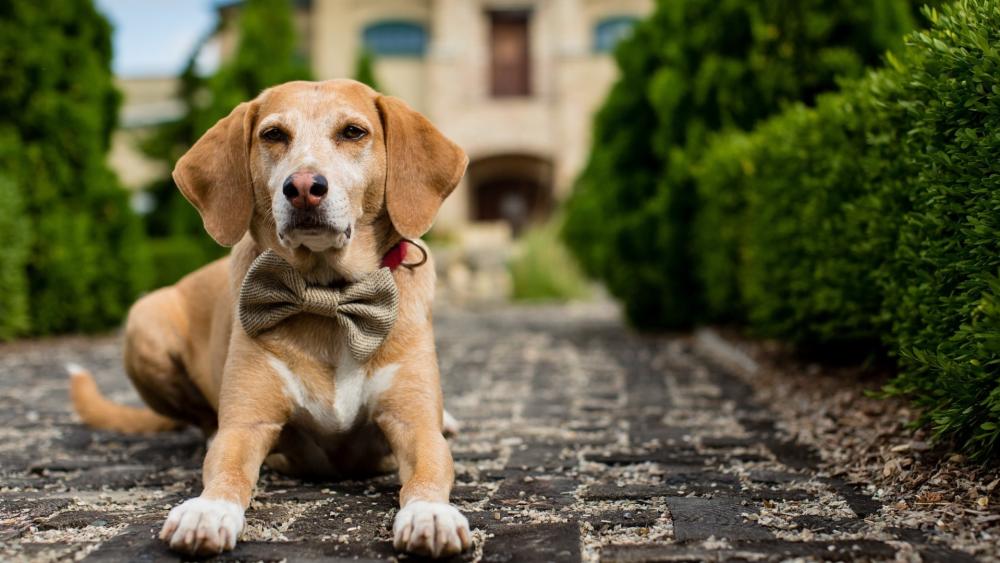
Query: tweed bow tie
{"x": 272, "y": 291}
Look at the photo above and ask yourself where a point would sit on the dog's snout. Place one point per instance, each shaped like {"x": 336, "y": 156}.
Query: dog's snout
{"x": 305, "y": 189}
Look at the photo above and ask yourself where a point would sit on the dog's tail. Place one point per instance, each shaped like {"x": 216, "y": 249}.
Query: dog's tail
{"x": 97, "y": 411}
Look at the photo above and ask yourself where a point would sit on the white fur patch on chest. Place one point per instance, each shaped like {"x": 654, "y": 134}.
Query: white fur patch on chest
{"x": 353, "y": 392}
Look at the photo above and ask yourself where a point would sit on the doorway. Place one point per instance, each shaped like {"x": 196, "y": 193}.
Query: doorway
{"x": 516, "y": 189}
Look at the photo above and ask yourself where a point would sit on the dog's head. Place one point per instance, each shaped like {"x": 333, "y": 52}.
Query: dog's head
{"x": 321, "y": 169}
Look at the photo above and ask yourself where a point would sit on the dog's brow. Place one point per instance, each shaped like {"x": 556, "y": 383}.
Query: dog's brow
{"x": 349, "y": 115}
{"x": 270, "y": 120}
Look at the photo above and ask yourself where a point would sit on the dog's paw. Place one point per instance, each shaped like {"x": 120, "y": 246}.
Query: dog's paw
{"x": 202, "y": 526}
{"x": 434, "y": 529}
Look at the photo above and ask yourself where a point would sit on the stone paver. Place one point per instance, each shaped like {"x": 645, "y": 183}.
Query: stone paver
{"x": 580, "y": 441}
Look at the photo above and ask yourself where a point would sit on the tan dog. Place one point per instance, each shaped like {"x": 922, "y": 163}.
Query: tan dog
{"x": 330, "y": 176}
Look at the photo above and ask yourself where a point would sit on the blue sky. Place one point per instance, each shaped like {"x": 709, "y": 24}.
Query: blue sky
{"x": 155, "y": 37}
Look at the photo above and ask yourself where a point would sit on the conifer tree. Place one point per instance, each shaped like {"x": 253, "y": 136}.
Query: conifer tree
{"x": 84, "y": 259}
{"x": 267, "y": 54}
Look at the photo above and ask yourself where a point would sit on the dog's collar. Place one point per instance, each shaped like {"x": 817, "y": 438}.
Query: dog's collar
{"x": 397, "y": 254}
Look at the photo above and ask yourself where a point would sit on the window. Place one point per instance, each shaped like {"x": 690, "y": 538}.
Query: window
{"x": 396, "y": 38}
{"x": 510, "y": 53}
{"x": 609, "y": 31}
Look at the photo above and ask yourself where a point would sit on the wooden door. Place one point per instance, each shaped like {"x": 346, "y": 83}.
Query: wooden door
{"x": 511, "y": 54}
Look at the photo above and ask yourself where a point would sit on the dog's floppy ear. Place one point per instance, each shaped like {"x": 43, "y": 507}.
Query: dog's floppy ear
{"x": 214, "y": 175}
{"x": 422, "y": 167}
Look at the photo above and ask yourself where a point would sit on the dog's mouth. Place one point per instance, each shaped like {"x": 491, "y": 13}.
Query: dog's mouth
{"x": 315, "y": 234}
{"x": 315, "y": 224}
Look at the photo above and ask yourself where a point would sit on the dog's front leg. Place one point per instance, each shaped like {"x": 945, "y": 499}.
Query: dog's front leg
{"x": 409, "y": 414}
{"x": 211, "y": 522}
{"x": 251, "y": 416}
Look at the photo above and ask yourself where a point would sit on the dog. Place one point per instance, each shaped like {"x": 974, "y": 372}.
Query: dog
{"x": 333, "y": 179}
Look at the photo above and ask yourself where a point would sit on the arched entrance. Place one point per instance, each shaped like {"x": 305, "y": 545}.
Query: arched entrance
{"x": 516, "y": 189}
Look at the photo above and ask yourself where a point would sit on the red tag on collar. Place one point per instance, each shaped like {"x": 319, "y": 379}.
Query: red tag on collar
{"x": 395, "y": 256}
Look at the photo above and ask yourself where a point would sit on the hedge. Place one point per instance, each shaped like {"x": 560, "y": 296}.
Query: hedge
{"x": 691, "y": 69}
{"x": 16, "y": 236}
{"x": 721, "y": 177}
{"x": 177, "y": 256}
{"x": 943, "y": 290}
{"x": 873, "y": 218}
{"x": 781, "y": 250}
{"x": 86, "y": 260}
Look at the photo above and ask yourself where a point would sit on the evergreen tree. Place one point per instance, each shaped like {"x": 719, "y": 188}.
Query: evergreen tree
{"x": 87, "y": 258}
{"x": 15, "y": 232}
{"x": 266, "y": 54}
{"x": 691, "y": 69}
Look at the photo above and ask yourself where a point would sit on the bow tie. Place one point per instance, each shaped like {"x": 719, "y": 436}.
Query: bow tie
{"x": 273, "y": 290}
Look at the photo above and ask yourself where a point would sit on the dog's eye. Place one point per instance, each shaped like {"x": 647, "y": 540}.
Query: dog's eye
{"x": 353, "y": 133}
{"x": 274, "y": 135}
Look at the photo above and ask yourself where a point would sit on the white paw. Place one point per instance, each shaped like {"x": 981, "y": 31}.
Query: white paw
{"x": 202, "y": 526}
{"x": 431, "y": 528}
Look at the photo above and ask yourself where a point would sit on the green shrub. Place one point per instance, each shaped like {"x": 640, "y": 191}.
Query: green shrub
{"x": 625, "y": 166}
{"x": 874, "y": 216}
{"x": 941, "y": 283}
{"x": 58, "y": 106}
{"x": 178, "y": 256}
{"x": 16, "y": 236}
{"x": 267, "y": 53}
{"x": 721, "y": 177}
{"x": 809, "y": 252}
{"x": 543, "y": 270}
{"x": 691, "y": 69}
{"x": 797, "y": 218}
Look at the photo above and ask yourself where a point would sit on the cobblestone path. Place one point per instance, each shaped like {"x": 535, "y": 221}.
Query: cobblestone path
{"x": 580, "y": 441}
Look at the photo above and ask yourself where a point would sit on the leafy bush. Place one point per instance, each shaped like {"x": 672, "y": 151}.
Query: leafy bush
{"x": 941, "y": 282}
{"x": 16, "y": 236}
{"x": 691, "y": 69}
{"x": 178, "y": 256}
{"x": 267, "y": 53}
{"x": 874, "y": 215}
{"x": 721, "y": 177}
{"x": 543, "y": 270}
{"x": 87, "y": 259}
{"x": 810, "y": 253}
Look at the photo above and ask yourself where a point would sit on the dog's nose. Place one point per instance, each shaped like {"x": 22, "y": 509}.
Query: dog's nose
{"x": 305, "y": 189}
